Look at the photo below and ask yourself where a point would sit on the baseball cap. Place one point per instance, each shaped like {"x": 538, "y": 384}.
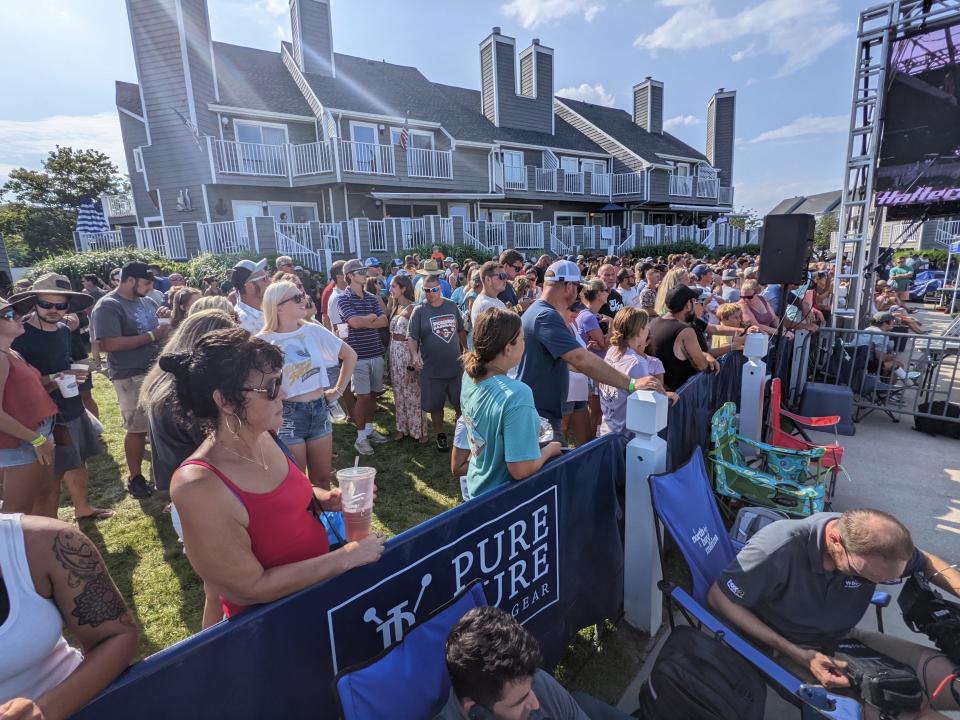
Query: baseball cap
{"x": 397, "y": 262}
{"x": 244, "y": 269}
{"x": 447, "y": 260}
{"x": 138, "y": 270}
{"x": 562, "y": 271}
{"x": 680, "y": 296}
{"x": 352, "y": 266}
{"x": 298, "y": 268}
{"x": 883, "y": 317}
{"x": 729, "y": 274}
{"x": 700, "y": 270}
{"x": 371, "y": 262}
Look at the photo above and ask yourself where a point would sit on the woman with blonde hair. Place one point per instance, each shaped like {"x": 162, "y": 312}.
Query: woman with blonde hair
{"x": 628, "y": 340}
{"x": 756, "y": 309}
{"x": 676, "y": 276}
{"x": 213, "y": 302}
{"x": 182, "y": 300}
{"x": 308, "y": 350}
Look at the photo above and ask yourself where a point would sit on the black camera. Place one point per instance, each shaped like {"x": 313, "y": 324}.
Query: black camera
{"x": 926, "y": 611}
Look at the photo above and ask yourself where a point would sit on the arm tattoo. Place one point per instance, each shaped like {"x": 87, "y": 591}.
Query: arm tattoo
{"x": 98, "y": 601}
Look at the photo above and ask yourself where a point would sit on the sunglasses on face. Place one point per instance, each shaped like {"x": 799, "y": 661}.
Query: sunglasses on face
{"x": 272, "y": 390}
{"x": 259, "y": 278}
{"x": 361, "y": 273}
{"x": 431, "y": 289}
{"x": 9, "y": 314}
{"x": 747, "y": 297}
{"x": 45, "y": 305}
{"x": 297, "y": 299}
{"x": 501, "y": 276}
{"x": 517, "y": 268}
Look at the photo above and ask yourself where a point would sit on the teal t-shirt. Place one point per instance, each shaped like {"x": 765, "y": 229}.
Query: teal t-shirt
{"x": 900, "y": 284}
{"x": 502, "y": 426}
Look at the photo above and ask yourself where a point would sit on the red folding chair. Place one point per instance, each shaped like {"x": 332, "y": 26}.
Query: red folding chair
{"x": 833, "y": 454}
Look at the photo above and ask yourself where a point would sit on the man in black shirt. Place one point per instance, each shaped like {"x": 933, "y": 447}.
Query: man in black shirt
{"x": 608, "y": 273}
{"x": 47, "y": 345}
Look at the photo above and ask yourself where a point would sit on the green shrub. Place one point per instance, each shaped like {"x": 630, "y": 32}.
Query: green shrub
{"x": 937, "y": 258}
{"x": 459, "y": 253}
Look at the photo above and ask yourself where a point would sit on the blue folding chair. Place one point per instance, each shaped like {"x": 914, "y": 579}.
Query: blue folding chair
{"x": 409, "y": 680}
{"x": 684, "y": 503}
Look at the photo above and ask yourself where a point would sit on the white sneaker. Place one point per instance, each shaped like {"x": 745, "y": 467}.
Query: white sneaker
{"x": 375, "y": 437}
{"x": 363, "y": 447}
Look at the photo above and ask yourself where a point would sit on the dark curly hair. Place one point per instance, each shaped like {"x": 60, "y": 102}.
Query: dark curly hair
{"x": 486, "y": 650}
{"x": 221, "y": 360}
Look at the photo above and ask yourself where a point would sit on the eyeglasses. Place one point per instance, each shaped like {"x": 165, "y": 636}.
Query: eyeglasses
{"x": 272, "y": 389}
{"x": 431, "y": 289}
{"x": 517, "y": 268}
{"x": 748, "y": 297}
{"x": 9, "y": 314}
{"x": 859, "y": 572}
{"x": 297, "y": 299}
{"x": 501, "y": 276}
{"x": 45, "y": 305}
{"x": 258, "y": 278}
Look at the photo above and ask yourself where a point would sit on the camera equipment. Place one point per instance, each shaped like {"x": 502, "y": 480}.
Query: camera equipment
{"x": 885, "y": 683}
{"x": 926, "y": 611}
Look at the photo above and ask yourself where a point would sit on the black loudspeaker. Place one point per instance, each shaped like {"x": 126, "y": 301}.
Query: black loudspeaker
{"x": 786, "y": 245}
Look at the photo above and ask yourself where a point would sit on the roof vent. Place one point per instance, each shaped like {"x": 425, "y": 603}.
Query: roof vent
{"x": 720, "y": 90}
{"x": 536, "y": 41}
{"x": 496, "y": 29}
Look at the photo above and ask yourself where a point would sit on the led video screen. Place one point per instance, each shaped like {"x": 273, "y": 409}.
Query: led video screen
{"x": 919, "y": 166}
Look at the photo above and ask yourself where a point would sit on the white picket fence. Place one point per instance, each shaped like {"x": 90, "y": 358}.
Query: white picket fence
{"x": 294, "y": 246}
{"x": 378, "y": 236}
{"x": 224, "y": 238}
{"x": 166, "y": 240}
{"x": 528, "y": 236}
{"x": 331, "y": 237}
{"x": 107, "y": 240}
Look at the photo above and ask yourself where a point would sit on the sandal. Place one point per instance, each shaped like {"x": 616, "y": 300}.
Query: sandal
{"x": 97, "y": 514}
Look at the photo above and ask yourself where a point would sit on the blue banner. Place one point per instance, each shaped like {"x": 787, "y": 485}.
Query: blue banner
{"x": 549, "y": 550}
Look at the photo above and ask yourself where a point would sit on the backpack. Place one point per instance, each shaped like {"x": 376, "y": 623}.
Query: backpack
{"x": 750, "y": 520}
{"x": 941, "y": 425}
{"x": 697, "y": 677}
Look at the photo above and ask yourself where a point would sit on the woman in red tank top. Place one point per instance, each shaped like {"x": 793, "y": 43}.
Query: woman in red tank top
{"x": 26, "y": 415}
{"x": 248, "y": 513}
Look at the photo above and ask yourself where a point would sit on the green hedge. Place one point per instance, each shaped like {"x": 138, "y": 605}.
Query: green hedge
{"x": 937, "y": 258}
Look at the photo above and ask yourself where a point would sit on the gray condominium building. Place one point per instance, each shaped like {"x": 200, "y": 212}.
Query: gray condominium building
{"x": 216, "y": 133}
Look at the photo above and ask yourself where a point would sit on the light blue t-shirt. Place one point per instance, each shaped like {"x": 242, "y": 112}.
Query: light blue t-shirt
{"x": 502, "y": 426}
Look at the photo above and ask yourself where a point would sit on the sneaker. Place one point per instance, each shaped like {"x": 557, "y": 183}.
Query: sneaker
{"x": 362, "y": 446}
{"x": 442, "y": 444}
{"x": 138, "y": 487}
{"x": 913, "y": 375}
{"x": 376, "y": 438}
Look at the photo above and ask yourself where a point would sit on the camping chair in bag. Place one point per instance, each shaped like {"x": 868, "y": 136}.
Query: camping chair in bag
{"x": 788, "y": 480}
{"x": 833, "y": 452}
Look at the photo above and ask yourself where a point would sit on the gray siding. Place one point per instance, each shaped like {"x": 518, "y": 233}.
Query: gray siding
{"x": 526, "y": 75}
{"x": 517, "y": 111}
{"x": 313, "y": 36}
{"x": 134, "y": 134}
{"x": 721, "y": 117}
{"x": 624, "y": 161}
{"x": 648, "y": 106}
{"x": 489, "y": 108}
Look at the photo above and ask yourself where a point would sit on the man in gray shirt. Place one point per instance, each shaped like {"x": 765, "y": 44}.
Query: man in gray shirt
{"x": 125, "y": 324}
{"x": 800, "y": 586}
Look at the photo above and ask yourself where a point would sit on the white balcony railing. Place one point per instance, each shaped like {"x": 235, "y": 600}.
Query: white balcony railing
{"x": 496, "y": 235}
{"x": 118, "y": 205}
{"x": 528, "y": 236}
{"x": 313, "y": 158}
{"x": 546, "y": 180}
{"x": 446, "y": 231}
{"x": 293, "y": 239}
{"x": 413, "y": 233}
{"x": 423, "y": 163}
{"x": 726, "y": 196}
{"x": 299, "y": 232}
{"x": 681, "y": 185}
{"x": 224, "y": 238}
{"x": 707, "y": 187}
{"x": 378, "y": 236}
{"x": 600, "y": 184}
{"x": 633, "y": 183}
{"x": 166, "y": 241}
{"x": 573, "y": 183}
{"x": 244, "y": 158}
{"x": 331, "y": 237}
{"x": 366, "y": 158}
{"x": 107, "y": 240}
{"x": 514, "y": 177}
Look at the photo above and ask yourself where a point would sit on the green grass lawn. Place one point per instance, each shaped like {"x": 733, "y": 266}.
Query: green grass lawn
{"x": 414, "y": 483}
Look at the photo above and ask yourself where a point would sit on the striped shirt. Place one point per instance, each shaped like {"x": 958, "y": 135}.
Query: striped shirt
{"x": 365, "y": 341}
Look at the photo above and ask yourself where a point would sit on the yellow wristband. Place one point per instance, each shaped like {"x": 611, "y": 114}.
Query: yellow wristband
{"x": 153, "y": 337}
{"x": 39, "y": 440}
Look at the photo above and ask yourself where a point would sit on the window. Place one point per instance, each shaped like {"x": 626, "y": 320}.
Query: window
{"x": 681, "y": 169}
{"x": 504, "y": 215}
{"x": 260, "y": 133}
{"x": 261, "y": 151}
{"x": 411, "y": 210}
{"x": 566, "y": 219}
{"x": 514, "y": 172}
{"x": 418, "y": 139}
{"x": 138, "y": 159}
{"x": 569, "y": 164}
{"x": 596, "y": 167}
{"x": 364, "y": 133}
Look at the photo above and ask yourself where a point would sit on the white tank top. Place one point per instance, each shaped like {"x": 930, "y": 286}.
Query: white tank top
{"x": 34, "y": 657}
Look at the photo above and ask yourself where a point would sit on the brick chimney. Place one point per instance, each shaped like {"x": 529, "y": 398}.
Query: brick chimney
{"x": 721, "y": 114}
{"x": 532, "y": 107}
{"x": 648, "y": 105}
{"x": 312, "y": 36}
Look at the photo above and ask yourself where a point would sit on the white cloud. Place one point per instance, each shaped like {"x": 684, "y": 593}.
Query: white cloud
{"x": 596, "y": 94}
{"x": 805, "y": 125}
{"x": 25, "y": 143}
{"x": 531, "y": 13}
{"x": 749, "y": 51}
{"x": 797, "y": 30}
{"x": 276, "y": 7}
{"x": 680, "y": 121}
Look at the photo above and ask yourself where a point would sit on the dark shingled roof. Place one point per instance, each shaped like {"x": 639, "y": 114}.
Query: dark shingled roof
{"x": 813, "y": 204}
{"x": 619, "y": 125}
{"x": 256, "y": 79}
{"x": 128, "y": 97}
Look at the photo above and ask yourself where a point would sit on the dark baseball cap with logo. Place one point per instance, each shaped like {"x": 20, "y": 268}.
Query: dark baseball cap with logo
{"x": 678, "y": 298}
{"x": 138, "y": 270}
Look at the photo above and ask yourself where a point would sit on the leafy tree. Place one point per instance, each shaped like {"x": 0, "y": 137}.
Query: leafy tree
{"x": 68, "y": 176}
{"x": 33, "y": 232}
{"x": 826, "y": 224}
{"x": 745, "y": 220}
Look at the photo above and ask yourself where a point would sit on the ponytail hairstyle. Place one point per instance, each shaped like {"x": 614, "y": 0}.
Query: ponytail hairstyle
{"x": 221, "y": 360}
{"x": 627, "y": 323}
{"x": 179, "y": 302}
{"x": 494, "y": 329}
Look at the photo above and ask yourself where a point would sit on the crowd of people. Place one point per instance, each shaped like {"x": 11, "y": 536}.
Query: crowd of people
{"x": 236, "y": 386}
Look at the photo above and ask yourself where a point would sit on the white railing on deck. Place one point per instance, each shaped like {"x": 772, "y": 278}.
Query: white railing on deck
{"x": 311, "y": 158}
{"x": 633, "y": 183}
{"x": 514, "y": 178}
{"x": 726, "y": 196}
{"x": 707, "y": 187}
{"x": 546, "y": 180}
{"x": 300, "y": 232}
{"x": 528, "y": 236}
{"x": 627, "y": 245}
{"x": 413, "y": 233}
{"x": 366, "y": 158}
{"x": 948, "y": 231}
{"x": 446, "y": 230}
{"x": 166, "y": 241}
{"x": 496, "y": 235}
{"x": 378, "y": 236}
{"x": 425, "y": 163}
{"x": 107, "y": 240}
{"x": 224, "y": 238}
{"x": 573, "y": 183}
{"x": 244, "y": 158}
{"x": 681, "y": 185}
{"x": 331, "y": 237}
{"x": 293, "y": 245}
{"x": 562, "y": 239}
{"x": 118, "y": 205}
{"x": 600, "y": 184}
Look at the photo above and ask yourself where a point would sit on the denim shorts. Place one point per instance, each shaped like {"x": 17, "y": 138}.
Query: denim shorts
{"x": 24, "y": 454}
{"x": 305, "y": 421}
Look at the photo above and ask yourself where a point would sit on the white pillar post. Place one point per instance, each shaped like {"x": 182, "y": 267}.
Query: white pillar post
{"x": 752, "y": 389}
{"x": 646, "y": 454}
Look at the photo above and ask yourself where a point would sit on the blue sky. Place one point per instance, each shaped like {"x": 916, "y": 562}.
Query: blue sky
{"x": 789, "y": 60}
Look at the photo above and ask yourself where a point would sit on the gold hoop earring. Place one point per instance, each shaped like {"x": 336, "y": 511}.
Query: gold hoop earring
{"x": 226, "y": 421}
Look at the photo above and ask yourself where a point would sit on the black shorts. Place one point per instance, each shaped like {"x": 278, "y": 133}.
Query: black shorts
{"x": 434, "y": 392}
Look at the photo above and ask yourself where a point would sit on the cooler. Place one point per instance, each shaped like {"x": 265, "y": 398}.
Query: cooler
{"x": 820, "y": 399}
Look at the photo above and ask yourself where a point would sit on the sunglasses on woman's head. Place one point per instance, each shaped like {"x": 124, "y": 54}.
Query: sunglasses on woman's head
{"x": 272, "y": 390}
{"x": 45, "y": 305}
{"x": 298, "y": 298}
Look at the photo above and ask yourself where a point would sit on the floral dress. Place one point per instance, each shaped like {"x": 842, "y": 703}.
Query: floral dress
{"x": 411, "y": 420}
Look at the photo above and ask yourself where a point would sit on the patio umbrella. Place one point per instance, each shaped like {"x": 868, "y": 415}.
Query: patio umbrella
{"x": 612, "y": 207}
{"x": 90, "y": 218}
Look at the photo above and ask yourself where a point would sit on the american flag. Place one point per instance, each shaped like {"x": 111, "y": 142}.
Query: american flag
{"x": 405, "y": 135}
